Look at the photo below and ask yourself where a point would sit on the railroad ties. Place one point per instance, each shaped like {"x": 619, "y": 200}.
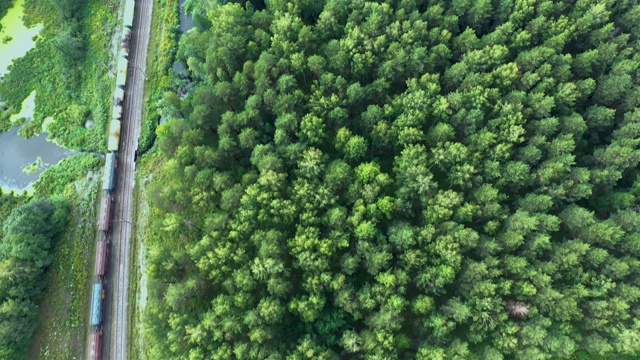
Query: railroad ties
{"x": 108, "y": 188}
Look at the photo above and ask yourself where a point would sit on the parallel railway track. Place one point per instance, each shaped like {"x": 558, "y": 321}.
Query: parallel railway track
{"x": 117, "y": 348}
{"x": 109, "y": 331}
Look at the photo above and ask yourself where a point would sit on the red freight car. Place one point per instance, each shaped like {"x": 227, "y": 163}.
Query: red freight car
{"x": 95, "y": 347}
{"x": 101, "y": 258}
{"x": 105, "y": 216}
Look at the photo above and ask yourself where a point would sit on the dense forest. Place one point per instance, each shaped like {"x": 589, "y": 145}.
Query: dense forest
{"x": 28, "y": 236}
{"x": 410, "y": 179}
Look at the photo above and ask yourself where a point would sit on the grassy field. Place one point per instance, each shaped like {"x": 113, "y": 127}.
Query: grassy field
{"x": 136, "y": 343}
{"x": 138, "y": 275}
{"x": 163, "y": 46}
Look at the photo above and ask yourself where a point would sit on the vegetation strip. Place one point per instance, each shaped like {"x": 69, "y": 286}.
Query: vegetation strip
{"x": 163, "y": 46}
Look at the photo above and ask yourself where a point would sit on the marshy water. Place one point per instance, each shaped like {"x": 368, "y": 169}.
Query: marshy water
{"x": 186, "y": 21}
{"x": 22, "y": 160}
{"x": 15, "y": 38}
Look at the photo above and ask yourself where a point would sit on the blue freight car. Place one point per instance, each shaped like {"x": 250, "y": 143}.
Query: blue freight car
{"x": 96, "y": 304}
{"x": 109, "y": 176}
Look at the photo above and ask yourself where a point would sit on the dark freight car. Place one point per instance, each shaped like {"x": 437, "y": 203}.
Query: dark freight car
{"x": 126, "y": 41}
{"x": 95, "y": 346}
{"x": 96, "y": 304}
{"x": 101, "y": 258}
{"x": 105, "y": 216}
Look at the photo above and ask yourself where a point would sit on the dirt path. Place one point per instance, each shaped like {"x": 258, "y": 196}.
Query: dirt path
{"x": 116, "y": 346}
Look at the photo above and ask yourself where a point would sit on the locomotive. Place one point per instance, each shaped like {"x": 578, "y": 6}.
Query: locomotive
{"x": 108, "y": 189}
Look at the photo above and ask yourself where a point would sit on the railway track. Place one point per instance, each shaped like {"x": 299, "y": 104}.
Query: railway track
{"x": 116, "y": 345}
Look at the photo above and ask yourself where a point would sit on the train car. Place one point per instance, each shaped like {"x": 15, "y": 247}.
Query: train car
{"x": 116, "y": 111}
{"x": 119, "y": 96}
{"x": 96, "y": 304}
{"x": 126, "y": 42}
{"x": 101, "y": 258}
{"x": 114, "y": 135}
{"x": 105, "y": 216}
{"x": 109, "y": 176}
{"x": 121, "y": 74}
{"x": 127, "y": 19}
{"x": 95, "y": 346}
{"x": 121, "y": 79}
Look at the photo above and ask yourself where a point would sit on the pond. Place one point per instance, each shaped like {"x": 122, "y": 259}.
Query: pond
{"x": 23, "y": 160}
{"x": 15, "y": 38}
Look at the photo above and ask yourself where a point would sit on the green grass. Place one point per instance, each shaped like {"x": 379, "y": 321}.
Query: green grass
{"x": 135, "y": 347}
{"x": 55, "y": 179}
{"x": 147, "y": 165}
{"x": 148, "y": 168}
{"x": 163, "y": 45}
{"x": 162, "y": 48}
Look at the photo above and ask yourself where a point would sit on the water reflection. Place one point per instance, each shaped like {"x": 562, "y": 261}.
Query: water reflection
{"x": 17, "y": 152}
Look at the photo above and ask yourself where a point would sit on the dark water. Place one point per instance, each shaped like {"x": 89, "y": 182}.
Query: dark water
{"x": 186, "y": 23}
{"x": 16, "y": 151}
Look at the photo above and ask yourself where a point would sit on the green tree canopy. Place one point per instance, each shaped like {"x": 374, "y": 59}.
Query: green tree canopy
{"x": 29, "y": 233}
{"x": 400, "y": 180}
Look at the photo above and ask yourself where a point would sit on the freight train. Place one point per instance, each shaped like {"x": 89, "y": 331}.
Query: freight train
{"x": 108, "y": 187}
